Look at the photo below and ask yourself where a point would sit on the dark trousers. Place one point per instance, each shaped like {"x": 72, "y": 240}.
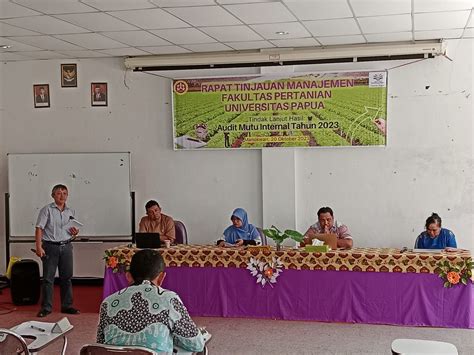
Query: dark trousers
{"x": 57, "y": 257}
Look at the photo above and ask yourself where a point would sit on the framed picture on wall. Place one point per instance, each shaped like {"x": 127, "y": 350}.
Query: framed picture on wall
{"x": 69, "y": 75}
{"x": 41, "y": 95}
{"x": 99, "y": 94}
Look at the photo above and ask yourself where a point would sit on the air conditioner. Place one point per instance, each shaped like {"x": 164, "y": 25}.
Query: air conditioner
{"x": 282, "y": 56}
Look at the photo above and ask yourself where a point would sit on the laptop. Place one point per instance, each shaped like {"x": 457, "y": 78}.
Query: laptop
{"x": 328, "y": 239}
{"x": 147, "y": 240}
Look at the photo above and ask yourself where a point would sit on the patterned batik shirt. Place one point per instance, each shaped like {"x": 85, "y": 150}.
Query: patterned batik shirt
{"x": 337, "y": 228}
{"x": 149, "y": 316}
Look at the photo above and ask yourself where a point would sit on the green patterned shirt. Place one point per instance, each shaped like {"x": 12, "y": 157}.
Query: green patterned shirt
{"x": 149, "y": 316}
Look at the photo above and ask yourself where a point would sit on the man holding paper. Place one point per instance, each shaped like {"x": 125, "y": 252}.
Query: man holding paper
{"x": 55, "y": 229}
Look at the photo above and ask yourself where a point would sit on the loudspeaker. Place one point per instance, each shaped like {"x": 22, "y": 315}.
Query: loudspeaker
{"x": 25, "y": 282}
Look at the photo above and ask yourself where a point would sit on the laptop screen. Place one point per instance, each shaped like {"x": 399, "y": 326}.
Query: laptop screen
{"x": 147, "y": 240}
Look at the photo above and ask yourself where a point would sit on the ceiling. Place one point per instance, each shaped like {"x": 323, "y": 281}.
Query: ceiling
{"x": 61, "y": 29}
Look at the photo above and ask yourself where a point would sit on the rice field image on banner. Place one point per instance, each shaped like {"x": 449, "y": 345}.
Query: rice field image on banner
{"x": 304, "y": 110}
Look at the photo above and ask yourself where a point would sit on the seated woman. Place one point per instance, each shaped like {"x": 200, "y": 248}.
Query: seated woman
{"x": 241, "y": 232}
{"x": 435, "y": 237}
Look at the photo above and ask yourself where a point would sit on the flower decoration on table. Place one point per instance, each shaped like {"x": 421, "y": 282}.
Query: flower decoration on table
{"x": 116, "y": 261}
{"x": 265, "y": 272}
{"x": 279, "y": 237}
{"x": 454, "y": 274}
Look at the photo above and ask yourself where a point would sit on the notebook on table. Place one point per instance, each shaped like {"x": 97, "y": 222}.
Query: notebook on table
{"x": 148, "y": 240}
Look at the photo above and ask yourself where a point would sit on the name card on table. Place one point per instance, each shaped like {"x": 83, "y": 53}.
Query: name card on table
{"x": 61, "y": 326}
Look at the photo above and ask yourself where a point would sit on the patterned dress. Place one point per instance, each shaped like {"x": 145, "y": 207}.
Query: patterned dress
{"x": 149, "y": 316}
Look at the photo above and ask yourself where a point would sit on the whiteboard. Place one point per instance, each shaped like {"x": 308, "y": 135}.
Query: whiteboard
{"x": 98, "y": 185}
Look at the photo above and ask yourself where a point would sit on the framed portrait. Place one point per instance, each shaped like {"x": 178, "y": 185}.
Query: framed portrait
{"x": 99, "y": 94}
{"x": 41, "y": 96}
{"x": 69, "y": 75}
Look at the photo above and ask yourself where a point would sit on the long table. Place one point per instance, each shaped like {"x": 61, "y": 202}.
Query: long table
{"x": 363, "y": 285}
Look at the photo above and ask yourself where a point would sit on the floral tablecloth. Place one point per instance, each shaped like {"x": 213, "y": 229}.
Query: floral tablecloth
{"x": 357, "y": 259}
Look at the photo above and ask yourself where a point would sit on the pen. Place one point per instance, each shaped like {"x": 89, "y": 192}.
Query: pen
{"x": 37, "y": 328}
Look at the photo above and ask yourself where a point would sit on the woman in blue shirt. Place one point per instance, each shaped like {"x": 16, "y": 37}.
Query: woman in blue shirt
{"x": 241, "y": 232}
{"x": 435, "y": 237}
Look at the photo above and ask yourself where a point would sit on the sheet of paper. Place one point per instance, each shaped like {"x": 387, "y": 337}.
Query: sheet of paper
{"x": 74, "y": 223}
{"x": 38, "y": 328}
{"x": 61, "y": 326}
{"x": 427, "y": 250}
{"x": 34, "y": 328}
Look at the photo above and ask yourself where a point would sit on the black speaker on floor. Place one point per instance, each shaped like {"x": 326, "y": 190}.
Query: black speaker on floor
{"x": 25, "y": 282}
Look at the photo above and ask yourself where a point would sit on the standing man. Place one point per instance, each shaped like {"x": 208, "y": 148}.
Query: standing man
{"x": 327, "y": 225}
{"x": 157, "y": 222}
{"x": 53, "y": 235}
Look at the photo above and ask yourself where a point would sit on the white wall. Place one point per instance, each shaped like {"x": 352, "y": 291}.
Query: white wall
{"x": 199, "y": 188}
{"x": 383, "y": 194}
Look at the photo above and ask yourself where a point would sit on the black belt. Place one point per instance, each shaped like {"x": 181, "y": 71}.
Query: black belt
{"x": 58, "y": 243}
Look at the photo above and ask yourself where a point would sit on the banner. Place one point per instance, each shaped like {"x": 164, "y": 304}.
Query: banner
{"x": 304, "y": 110}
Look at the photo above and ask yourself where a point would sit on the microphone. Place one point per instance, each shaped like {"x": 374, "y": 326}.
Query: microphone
{"x": 71, "y": 217}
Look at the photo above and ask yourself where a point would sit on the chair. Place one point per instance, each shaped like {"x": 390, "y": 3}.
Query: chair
{"x": 418, "y": 347}
{"x": 181, "y": 233}
{"x": 12, "y": 343}
{"x": 263, "y": 237}
{"x": 104, "y": 349}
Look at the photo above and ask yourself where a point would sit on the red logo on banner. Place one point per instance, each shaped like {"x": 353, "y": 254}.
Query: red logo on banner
{"x": 180, "y": 87}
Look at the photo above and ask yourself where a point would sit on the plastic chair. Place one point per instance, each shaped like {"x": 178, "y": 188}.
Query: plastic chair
{"x": 418, "y": 347}
{"x": 12, "y": 343}
{"x": 104, "y": 349}
{"x": 181, "y": 233}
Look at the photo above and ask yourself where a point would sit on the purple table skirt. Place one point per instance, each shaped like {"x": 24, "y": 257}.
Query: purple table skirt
{"x": 329, "y": 296}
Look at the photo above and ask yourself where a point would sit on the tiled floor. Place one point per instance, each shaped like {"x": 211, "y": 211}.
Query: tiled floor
{"x": 252, "y": 336}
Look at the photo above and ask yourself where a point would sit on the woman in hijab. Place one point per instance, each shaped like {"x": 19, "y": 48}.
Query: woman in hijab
{"x": 241, "y": 232}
